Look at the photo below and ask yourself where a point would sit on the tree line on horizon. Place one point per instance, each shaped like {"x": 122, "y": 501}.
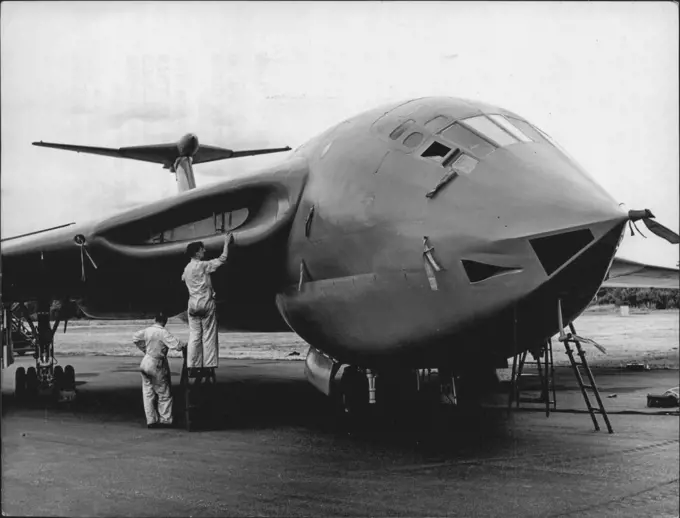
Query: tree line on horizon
{"x": 651, "y": 298}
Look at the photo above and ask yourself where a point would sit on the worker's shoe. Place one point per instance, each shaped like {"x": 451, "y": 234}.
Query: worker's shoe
{"x": 153, "y": 425}
{"x": 165, "y": 425}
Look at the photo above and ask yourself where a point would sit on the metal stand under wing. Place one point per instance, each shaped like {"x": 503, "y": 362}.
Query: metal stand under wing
{"x": 545, "y": 370}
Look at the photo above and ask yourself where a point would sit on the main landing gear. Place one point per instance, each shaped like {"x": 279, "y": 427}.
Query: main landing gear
{"x": 46, "y": 378}
{"x": 391, "y": 391}
{"x": 396, "y": 392}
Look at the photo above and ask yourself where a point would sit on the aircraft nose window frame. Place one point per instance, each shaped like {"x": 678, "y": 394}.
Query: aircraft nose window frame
{"x": 486, "y": 128}
{"x": 437, "y": 123}
{"x": 414, "y": 140}
{"x": 437, "y": 151}
{"x": 455, "y": 158}
{"x": 399, "y": 130}
{"x": 509, "y": 127}
{"x": 470, "y": 141}
{"x": 526, "y": 128}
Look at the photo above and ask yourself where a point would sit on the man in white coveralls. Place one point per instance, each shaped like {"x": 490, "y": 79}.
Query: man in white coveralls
{"x": 202, "y": 350}
{"x": 154, "y": 342}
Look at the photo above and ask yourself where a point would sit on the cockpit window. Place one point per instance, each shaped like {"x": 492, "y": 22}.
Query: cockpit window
{"x": 465, "y": 138}
{"x": 527, "y": 129}
{"x": 561, "y": 149}
{"x": 505, "y": 124}
{"x": 413, "y": 140}
{"x": 488, "y": 129}
{"x": 437, "y": 123}
{"x": 553, "y": 142}
{"x": 399, "y": 130}
{"x": 436, "y": 151}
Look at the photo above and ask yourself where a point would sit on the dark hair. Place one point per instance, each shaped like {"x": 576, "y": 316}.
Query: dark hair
{"x": 161, "y": 318}
{"x": 193, "y": 248}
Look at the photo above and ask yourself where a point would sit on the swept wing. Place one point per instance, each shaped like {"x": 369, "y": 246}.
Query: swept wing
{"x": 129, "y": 265}
{"x": 631, "y": 274}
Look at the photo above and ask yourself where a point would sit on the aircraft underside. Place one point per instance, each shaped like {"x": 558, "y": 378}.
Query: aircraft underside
{"x": 472, "y": 354}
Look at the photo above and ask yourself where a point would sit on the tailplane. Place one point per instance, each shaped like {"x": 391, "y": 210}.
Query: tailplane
{"x": 178, "y": 157}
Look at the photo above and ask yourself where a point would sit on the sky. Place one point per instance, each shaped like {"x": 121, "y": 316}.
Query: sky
{"x": 600, "y": 78}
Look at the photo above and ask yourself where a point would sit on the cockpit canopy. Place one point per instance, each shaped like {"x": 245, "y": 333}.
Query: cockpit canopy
{"x": 462, "y": 143}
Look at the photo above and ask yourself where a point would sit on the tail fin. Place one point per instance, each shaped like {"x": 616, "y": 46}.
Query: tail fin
{"x": 178, "y": 157}
{"x": 184, "y": 173}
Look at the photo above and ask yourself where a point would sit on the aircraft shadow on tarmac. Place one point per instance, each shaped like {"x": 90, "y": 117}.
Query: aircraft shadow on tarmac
{"x": 246, "y": 404}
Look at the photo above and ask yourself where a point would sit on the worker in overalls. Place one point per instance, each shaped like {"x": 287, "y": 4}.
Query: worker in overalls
{"x": 202, "y": 350}
{"x": 154, "y": 342}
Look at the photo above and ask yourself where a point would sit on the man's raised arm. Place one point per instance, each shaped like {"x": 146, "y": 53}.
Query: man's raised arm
{"x": 214, "y": 264}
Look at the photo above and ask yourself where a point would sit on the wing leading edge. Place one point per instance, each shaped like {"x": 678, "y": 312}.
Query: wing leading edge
{"x": 103, "y": 264}
{"x": 631, "y": 274}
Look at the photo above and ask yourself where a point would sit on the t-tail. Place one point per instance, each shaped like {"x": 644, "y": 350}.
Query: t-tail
{"x": 179, "y": 157}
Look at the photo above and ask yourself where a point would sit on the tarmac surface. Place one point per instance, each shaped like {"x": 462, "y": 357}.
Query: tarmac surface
{"x": 279, "y": 449}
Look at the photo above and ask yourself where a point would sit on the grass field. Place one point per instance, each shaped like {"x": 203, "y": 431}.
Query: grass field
{"x": 650, "y": 336}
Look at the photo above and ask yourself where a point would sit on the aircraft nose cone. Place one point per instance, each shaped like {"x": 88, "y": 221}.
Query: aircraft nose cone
{"x": 516, "y": 221}
{"x": 536, "y": 189}
{"x": 526, "y": 227}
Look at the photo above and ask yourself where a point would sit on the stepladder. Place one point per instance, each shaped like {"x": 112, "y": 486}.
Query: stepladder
{"x": 198, "y": 386}
{"x": 569, "y": 339}
{"x": 542, "y": 369}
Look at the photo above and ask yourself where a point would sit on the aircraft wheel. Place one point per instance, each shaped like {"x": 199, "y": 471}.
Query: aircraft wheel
{"x": 398, "y": 396}
{"x": 31, "y": 381}
{"x": 20, "y": 383}
{"x": 354, "y": 392}
{"x": 69, "y": 377}
{"x": 58, "y": 377}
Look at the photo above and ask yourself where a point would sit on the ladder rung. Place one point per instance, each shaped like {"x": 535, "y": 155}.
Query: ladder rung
{"x": 588, "y": 387}
{"x": 534, "y": 400}
{"x": 531, "y": 400}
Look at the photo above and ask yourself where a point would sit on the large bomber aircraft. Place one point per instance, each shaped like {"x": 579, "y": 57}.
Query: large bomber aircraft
{"x": 434, "y": 233}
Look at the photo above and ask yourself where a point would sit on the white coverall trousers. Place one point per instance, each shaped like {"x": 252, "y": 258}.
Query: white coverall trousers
{"x": 202, "y": 350}
{"x": 156, "y": 384}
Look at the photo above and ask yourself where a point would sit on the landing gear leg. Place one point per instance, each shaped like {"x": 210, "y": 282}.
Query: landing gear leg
{"x": 447, "y": 388}
{"x": 370, "y": 376}
{"x": 46, "y": 378}
{"x": 354, "y": 391}
{"x": 45, "y": 359}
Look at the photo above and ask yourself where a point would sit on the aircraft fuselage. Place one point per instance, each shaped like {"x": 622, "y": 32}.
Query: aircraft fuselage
{"x": 366, "y": 294}
{"x": 424, "y": 233}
